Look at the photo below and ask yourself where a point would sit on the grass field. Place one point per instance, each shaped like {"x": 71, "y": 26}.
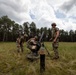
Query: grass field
{"x": 13, "y": 63}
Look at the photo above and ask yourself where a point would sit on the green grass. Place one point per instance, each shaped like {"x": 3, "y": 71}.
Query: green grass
{"x": 13, "y": 63}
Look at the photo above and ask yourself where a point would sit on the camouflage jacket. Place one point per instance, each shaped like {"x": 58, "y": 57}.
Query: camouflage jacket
{"x": 31, "y": 42}
{"x": 54, "y": 32}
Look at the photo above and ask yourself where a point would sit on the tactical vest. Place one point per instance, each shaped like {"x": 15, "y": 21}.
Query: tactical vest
{"x": 53, "y": 32}
{"x": 30, "y": 44}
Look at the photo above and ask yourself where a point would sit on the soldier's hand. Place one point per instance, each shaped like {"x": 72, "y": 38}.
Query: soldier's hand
{"x": 54, "y": 40}
{"x": 18, "y": 46}
{"x": 50, "y": 39}
{"x": 34, "y": 43}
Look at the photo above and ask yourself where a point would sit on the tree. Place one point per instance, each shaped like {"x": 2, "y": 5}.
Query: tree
{"x": 5, "y": 24}
{"x": 26, "y": 27}
{"x": 10, "y": 30}
{"x": 71, "y": 34}
{"x": 32, "y": 29}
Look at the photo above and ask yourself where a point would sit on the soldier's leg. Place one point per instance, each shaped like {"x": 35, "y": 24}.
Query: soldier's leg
{"x": 55, "y": 48}
{"x": 18, "y": 49}
{"x": 56, "y": 52}
{"x": 21, "y": 48}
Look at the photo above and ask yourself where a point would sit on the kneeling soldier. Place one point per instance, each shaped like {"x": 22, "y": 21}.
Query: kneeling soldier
{"x": 32, "y": 45}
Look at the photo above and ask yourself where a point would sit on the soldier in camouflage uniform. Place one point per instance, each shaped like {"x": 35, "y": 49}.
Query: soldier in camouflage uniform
{"x": 55, "y": 39}
{"x": 31, "y": 44}
{"x": 19, "y": 42}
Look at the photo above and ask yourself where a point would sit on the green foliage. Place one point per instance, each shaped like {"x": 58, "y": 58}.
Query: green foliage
{"x": 9, "y": 31}
{"x": 13, "y": 63}
{"x": 26, "y": 28}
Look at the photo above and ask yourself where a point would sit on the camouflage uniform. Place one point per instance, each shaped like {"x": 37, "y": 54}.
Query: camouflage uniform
{"x": 55, "y": 44}
{"x": 21, "y": 42}
{"x": 30, "y": 44}
{"x": 18, "y": 44}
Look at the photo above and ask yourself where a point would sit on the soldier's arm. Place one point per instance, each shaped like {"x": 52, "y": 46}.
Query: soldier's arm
{"x": 33, "y": 41}
{"x": 30, "y": 40}
{"x": 50, "y": 39}
{"x": 57, "y": 34}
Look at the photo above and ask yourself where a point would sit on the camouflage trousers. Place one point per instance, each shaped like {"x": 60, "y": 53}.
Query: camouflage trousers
{"x": 55, "y": 46}
{"x": 20, "y": 48}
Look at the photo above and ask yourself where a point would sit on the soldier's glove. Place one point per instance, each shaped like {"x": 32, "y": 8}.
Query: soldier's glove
{"x": 50, "y": 39}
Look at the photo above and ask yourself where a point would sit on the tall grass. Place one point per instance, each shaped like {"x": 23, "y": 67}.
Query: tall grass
{"x": 14, "y": 63}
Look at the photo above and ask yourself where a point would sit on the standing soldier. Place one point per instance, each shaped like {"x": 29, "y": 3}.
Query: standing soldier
{"x": 55, "y": 39}
{"x": 18, "y": 43}
{"x": 21, "y": 42}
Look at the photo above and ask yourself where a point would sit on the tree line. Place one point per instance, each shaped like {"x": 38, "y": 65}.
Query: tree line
{"x": 9, "y": 31}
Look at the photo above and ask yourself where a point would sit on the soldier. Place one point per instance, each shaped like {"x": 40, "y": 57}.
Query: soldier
{"x": 55, "y": 39}
{"x": 25, "y": 36}
{"x": 32, "y": 44}
{"x": 21, "y": 42}
{"x": 18, "y": 43}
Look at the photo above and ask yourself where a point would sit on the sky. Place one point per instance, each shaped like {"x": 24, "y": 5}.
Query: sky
{"x": 42, "y": 12}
